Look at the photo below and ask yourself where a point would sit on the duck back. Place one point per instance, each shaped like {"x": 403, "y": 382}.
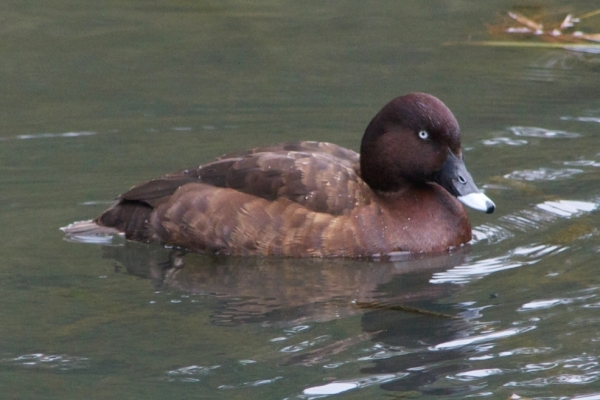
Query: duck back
{"x": 321, "y": 177}
{"x": 317, "y": 199}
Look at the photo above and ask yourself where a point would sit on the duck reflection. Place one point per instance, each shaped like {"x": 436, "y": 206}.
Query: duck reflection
{"x": 408, "y": 340}
{"x": 400, "y": 308}
{"x": 257, "y": 289}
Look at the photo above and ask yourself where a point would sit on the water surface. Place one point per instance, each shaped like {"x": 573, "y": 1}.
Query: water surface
{"x": 96, "y": 98}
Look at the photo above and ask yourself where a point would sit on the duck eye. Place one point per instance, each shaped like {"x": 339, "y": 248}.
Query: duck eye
{"x": 461, "y": 179}
{"x": 423, "y": 134}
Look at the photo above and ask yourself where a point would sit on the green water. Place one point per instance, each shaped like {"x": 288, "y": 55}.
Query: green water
{"x": 100, "y": 96}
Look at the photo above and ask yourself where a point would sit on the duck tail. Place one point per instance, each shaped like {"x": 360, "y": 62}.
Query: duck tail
{"x": 129, "y": 219}
{"x": 89, "y": 232}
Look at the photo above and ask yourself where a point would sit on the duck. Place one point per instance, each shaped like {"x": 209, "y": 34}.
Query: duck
{"x": 403, "y": 194}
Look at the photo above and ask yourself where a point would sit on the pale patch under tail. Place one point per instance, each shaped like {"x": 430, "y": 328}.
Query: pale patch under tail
{"x": 90, "y": 232}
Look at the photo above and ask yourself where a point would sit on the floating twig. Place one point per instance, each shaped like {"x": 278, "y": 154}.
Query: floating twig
{"x": 563, "y": 32}
{"x": 380, "y": 306}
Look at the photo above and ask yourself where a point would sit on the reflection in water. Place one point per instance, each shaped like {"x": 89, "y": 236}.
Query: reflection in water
{"x": 409, "y": 341}
{"x": 286, "y": 291}
{"x": 112, "y": 66}
{"x": 405, "y": 343}
{"x": 402, "y": 321}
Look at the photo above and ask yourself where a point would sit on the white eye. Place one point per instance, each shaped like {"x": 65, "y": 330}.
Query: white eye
{"x": 423, "y": 134}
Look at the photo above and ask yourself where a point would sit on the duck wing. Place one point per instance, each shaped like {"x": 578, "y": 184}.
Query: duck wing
{"x": 322, "y": 177}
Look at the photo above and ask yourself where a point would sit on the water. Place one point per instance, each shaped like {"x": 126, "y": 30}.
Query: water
{"x": 98, "y": 97}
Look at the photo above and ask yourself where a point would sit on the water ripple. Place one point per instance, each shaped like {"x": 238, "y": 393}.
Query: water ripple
{"x": 50, "y": 135}
{"x": 526, "y": 351}
{"x": 535, "y": 219}
{"x": 582, "y": 163}
{"x": 465, "y": 273}
{"x": 491, "y": 233}
{"x": 539, "y": 367}
{"x": 62, "y": 362}
{"x": 585, "y": 363}
{"x": 556, "y": 380}
{"x": 260, "y": 382}
{"x": 543, "y": 174}
{"x": 593, "y": 305}
{"x": 514, "y": 352}
{"x": 472, "y": 375}
{"x": 486, "y": 337}
{"x": 581, "y": 119}
{"x": 191, "y": 373}
{"x": 526, "y": 220}
{"x": 525, "y": 255}
{"x": 382, "y": 351}
{"x": 567, "y": 208}
{"x": 532, "y": 131}
{"x": 504, "y": 141}
{"x": 594, "y": 396}
{"x": 295, "y": 329}
{"x": 543, "y": 304}
{"x": 338, "y": 387}
{"x": 304, "y": 345}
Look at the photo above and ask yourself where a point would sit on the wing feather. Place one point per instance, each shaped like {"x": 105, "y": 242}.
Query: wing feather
{"x": 322, "y": 177}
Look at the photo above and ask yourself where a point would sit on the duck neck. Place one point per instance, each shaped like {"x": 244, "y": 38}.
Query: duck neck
{"x": 381, "y": 176}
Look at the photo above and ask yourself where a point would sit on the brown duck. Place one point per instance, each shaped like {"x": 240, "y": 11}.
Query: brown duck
{"x": 314, "y": 199}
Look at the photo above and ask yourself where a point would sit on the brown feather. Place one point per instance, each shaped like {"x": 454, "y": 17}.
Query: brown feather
{"x": 309, "y": 198}
{"x": 221, "y": 220}
{"x": 319, "y": 176}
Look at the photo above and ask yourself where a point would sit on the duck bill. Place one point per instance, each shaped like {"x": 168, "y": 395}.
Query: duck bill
{"x": 455, "y": 178}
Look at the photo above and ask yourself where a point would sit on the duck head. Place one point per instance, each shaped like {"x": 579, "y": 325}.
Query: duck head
{"x": 413, "y": 140}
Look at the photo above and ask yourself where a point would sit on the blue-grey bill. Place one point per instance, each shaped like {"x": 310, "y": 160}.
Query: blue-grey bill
{"x": 478, "y": 201}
